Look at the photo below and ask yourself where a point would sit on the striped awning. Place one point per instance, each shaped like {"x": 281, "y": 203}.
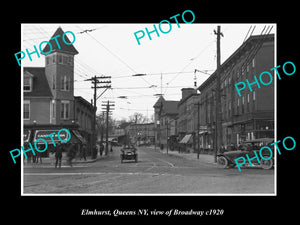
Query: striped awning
{"x": 185, "y": 139}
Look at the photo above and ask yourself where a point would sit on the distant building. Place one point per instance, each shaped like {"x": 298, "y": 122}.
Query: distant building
{"x": 84, "y": 112}
{"x": 187, "y": 117}
{"x": 165, "y": 114}
{"x": 140, "y": 133}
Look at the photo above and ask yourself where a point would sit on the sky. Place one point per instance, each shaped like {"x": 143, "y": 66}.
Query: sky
{"x": 168, "y": 61}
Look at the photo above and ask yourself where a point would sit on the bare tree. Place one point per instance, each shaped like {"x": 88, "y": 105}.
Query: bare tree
{"x": 138, "y": 118}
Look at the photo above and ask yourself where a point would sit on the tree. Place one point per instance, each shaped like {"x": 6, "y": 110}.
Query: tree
{"x": 138, "y": 118}
{"x": 101, "y": 124}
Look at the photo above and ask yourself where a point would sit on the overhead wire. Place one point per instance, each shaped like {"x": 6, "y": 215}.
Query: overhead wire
{"x": 115, "y": 55}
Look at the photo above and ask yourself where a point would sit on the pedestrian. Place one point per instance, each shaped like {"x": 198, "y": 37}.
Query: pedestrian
{"x": 58, "y": 155}
{"x": 101, "y": 149}
{"x": 39, "y": 154}
{"x": 83, "y": 151}
{"x": 95, "y": 152}
{"x": 29, "y": 154}
{"x": 70, "y": 153}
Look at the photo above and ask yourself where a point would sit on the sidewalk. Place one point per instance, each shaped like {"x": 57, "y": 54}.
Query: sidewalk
{"x": 203, "y": 158}
{"x": 51, "y": 160}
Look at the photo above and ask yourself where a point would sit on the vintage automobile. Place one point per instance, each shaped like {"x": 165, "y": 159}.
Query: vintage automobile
{"x": 129, "y": 153}
{"x": 227, "y": 158}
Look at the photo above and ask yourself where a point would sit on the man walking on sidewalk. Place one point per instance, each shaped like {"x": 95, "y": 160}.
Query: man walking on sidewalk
{"x": 58, "y": 155}
{"x": 70, "y": 153}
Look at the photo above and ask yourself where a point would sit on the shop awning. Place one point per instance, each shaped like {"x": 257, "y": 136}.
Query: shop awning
{"x": 185, "y": 139}
{"x": 63, "y": 135}
{"x": 78, "y": 135}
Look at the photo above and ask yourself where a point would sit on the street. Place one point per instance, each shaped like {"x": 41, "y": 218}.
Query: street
{"x": 155, "y": 173}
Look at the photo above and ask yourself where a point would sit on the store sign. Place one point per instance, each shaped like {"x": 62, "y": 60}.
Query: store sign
{"x": 50, "y": 135}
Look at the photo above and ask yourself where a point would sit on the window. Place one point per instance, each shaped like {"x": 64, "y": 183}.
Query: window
{"x": 243, "y": 106}
{"x": 53, "y": 82}
{"x": 27, "y": 84}
{"x": 26, "y": 110}
{"x": 65, "y": 83}
{"x": 60, "y": 61}
{"x": 65, "y": 110}
{"x": 53, "y": 108}
{"x": 248, "y": 100}
{"x": 253, "y": 104}
{"x": 65, "y": 59}
{"x": 54, "y": 58}
{"x": 70, "y": 60}
{"x": 253, "y": 62}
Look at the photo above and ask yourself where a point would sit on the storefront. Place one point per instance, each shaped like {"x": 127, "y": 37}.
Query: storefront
{"x": 252, "y": 129}
{"x": 50, "y": 134}
{"x": 186, "y": 142}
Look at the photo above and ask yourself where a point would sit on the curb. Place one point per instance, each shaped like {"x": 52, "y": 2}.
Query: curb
{"x": 64, "y": 162}
{"x": 189, "y": 158}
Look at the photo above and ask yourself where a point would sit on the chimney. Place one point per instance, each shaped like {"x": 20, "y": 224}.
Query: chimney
{"x": 187, "y": 91}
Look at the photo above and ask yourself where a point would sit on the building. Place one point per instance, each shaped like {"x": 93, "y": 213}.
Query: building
{"x": 247, "y": 117}
{"x": 49, "y": 103}
{"x": 84, "y": 112}
{"x": 165, "y": 114}
{"x": 187, "y": 117}
{"x": 140, "y": 133}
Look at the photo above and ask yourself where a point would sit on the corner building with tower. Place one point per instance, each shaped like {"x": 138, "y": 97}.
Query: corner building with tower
{"x": 49, "y": 103}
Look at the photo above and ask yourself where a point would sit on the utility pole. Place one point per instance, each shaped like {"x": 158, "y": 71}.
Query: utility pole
{"x": 167, "y": 136}
{"x": 107, "y": 106}
{"x": 95, "y": 81}
{"x": 198, "y": 129}
{"x": 218, "y": 125}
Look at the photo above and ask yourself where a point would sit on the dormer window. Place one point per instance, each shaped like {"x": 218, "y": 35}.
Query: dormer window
{"x": 27, "y": 84}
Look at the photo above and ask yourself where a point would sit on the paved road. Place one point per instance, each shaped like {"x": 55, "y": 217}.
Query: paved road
{"x": 155, "y": 173}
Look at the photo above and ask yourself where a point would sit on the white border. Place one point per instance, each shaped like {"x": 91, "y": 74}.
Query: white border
{"x": 147, "y": 194}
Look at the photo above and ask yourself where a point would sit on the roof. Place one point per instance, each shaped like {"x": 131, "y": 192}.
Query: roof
{"x": 158, "y": 102}
{"x": 250, "y": 41}
{"x": 83, "y": 101}
{"x": 187, "y": 97}
{"x": 63, "y": 47}
{"x": 40, "y": 86}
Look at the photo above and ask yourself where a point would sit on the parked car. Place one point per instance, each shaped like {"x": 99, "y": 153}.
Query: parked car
{"x": 129, "y": 153}
{"x": 227, "y": 158}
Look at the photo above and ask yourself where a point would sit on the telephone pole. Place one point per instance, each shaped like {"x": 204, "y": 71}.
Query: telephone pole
{"x": 198, "y": 129}
{"x": 107, "y": 106}
{"x": 218, "y": 133}
{"x": 95, "y": 81}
